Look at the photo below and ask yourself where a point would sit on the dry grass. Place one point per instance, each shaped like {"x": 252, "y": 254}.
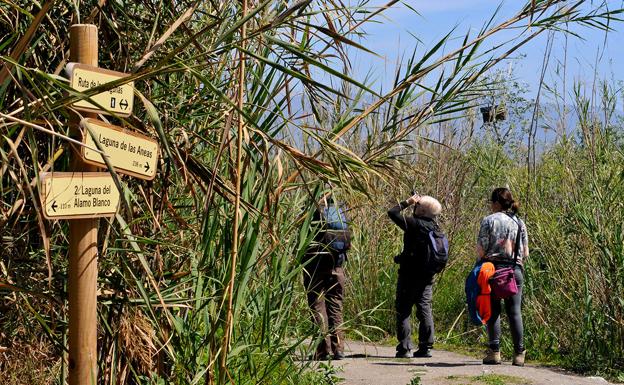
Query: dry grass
{"x": 30, "y": 361}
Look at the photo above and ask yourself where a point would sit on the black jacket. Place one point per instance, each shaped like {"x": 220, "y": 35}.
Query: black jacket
{"x": 416, "y": 231}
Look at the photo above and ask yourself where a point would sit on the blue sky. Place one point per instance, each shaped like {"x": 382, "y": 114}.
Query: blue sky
{"x": 392, "y": 37}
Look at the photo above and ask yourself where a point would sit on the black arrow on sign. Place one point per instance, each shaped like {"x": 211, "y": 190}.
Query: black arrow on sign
{"x": 54, "y": 206}
{"x": 123, "y": 104}
{"x": 147, "y": 167}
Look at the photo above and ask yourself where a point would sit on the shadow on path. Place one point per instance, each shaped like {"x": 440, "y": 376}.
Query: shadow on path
{"x": 430, "y": 364}
{"x": 366, "y": 356}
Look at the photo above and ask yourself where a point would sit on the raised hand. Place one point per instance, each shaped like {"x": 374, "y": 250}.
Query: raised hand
{"x": 413, "y": 199}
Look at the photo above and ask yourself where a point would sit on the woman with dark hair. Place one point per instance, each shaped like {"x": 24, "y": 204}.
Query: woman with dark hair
{"x": 496, "y": 243}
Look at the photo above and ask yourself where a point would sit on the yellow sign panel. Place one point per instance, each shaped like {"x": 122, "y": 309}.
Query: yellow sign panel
{"x": 118, "y": 100}
{"x": 130, "y": 153}
{"x": 72, "y": 195}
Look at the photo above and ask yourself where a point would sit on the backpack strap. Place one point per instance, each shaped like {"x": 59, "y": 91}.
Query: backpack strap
{"x": 517, "y": 245}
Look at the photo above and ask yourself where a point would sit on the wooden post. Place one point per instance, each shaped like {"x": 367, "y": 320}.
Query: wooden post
{"x": 83, "y": 270}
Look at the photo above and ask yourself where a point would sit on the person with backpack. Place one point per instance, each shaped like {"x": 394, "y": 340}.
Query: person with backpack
{"x": 324, "y": 278}
{"x": 425, "y": 253}
{"x": 503, "y": 241}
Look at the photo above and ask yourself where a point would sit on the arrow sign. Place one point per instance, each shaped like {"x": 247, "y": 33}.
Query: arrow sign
{"x": 73, "y": 195}
{"x": 130, "y": 153}
{"x": 83, "y": 77}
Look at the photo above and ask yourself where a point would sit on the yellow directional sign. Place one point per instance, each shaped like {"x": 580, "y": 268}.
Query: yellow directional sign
{"x": 130, "y": 153}
{"x": 118, "y": 100}
{"x": 72, "y": 195}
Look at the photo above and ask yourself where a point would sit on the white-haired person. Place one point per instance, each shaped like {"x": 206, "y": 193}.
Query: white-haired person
{"x": 415, "y": 282}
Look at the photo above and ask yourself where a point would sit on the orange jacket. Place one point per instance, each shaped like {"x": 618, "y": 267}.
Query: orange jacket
{"x": 484, "y": 306}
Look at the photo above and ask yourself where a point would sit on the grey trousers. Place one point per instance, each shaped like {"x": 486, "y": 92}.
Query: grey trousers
{"x": 512, "y": 308}
{"x": 413, "y": 290}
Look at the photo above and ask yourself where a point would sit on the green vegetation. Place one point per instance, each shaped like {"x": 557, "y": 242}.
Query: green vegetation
{"x": 487, "y": 379}
{"x": 199, "y": 270}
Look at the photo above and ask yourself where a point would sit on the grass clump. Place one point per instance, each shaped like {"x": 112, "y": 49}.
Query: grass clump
{"x": 488, "y": 379}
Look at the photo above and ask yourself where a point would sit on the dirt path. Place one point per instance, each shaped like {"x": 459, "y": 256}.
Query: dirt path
{"x": 368, "y": 364}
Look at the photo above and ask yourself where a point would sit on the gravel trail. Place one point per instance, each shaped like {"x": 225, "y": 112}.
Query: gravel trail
{"x": 368, "y": 364}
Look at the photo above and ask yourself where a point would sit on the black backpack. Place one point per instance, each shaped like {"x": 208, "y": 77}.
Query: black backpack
{"x": 336, "y": 233}
{"x": 437, "y": 251}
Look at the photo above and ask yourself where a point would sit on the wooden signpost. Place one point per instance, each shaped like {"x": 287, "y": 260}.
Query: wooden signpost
{"x": 130, "y": 153}
{"x": 86, "y": 194}
{"x": 118, "y": 100}
{"x": 73, "y": 195}
{"x": 83, "y": 251}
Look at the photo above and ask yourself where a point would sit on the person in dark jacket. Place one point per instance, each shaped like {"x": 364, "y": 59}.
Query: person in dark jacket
{"x": 324, "y": 277}
{"x": 414, "y": 284}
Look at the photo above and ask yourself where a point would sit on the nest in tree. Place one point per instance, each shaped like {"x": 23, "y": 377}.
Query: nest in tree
{"x": 493, "y": 113}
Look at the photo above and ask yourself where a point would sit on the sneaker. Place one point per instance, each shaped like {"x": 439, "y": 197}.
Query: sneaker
{"x": 518, "y": 358}
{"x": 339, "y": 356}
{"x": 492, "y": 358}
{"x": 403, "y": 354}
{"x": 422, "y": 353}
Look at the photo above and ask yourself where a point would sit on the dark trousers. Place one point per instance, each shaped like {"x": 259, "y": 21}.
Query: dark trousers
{"x": 325, "y": 291}
{"x": 512, "y": 308}
{"x": 414, "y": 290}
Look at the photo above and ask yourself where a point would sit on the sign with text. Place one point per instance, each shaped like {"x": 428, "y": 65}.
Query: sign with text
{"x": 118, "y": 100}
{"x": 130, "y": 153}
{"x": 73, "y": 195}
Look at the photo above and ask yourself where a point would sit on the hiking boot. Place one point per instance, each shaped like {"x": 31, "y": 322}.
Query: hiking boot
{"x": 403, "y": 354}
{"x": 422, "y": 353}
{"x": 492, "y": 358}
{"x": 518, "y": 358}
{"x": 339, "y": 356}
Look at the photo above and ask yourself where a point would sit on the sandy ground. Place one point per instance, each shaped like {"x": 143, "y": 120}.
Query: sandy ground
{"x": 368, "y": 364}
